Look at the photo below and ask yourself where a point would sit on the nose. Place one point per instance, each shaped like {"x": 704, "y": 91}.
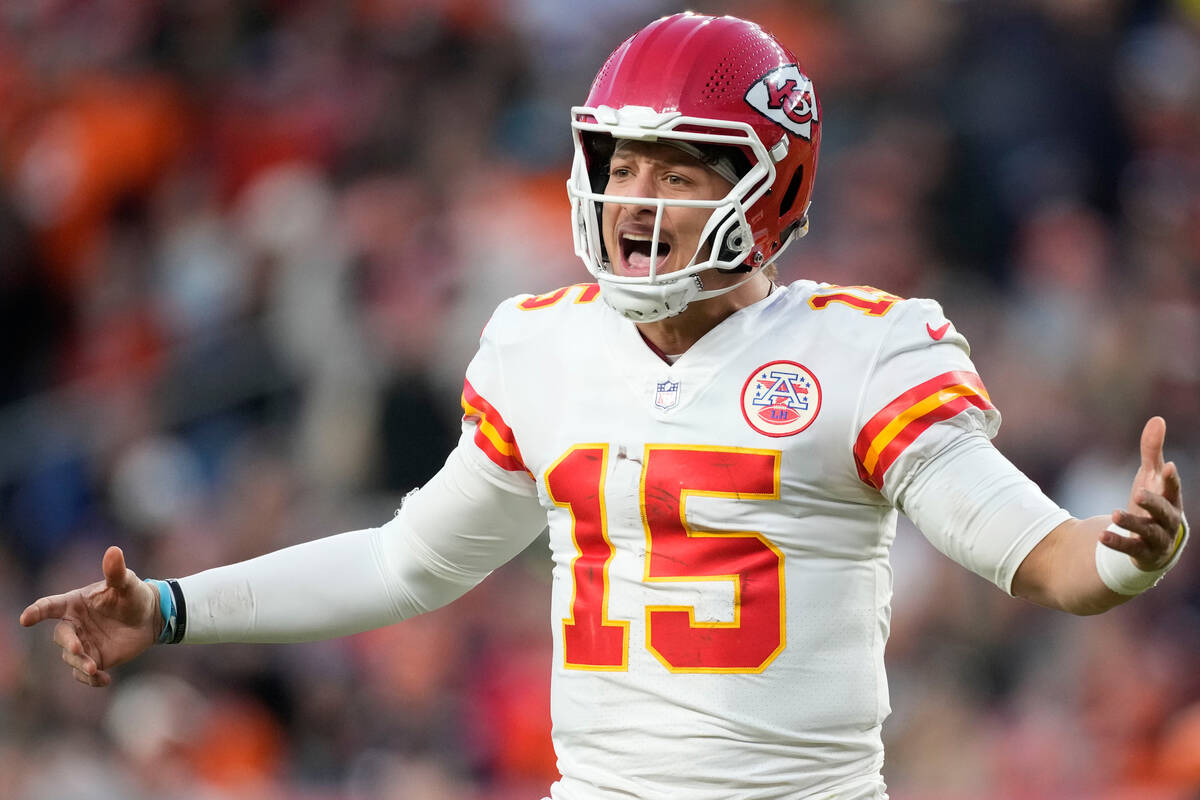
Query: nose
{"x": 642, "y": 186}
{"x": 644, "y": 183}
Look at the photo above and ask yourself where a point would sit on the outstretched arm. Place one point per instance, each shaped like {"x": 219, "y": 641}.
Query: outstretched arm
{"x": 446, "y": 538}
{"x": 1064, "y": 570}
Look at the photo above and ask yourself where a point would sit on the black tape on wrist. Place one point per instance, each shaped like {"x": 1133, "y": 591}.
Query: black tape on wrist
{"x": 180, "y": 611}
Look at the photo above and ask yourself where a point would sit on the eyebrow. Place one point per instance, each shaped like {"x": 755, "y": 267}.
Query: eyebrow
{"x": 669, "y": 157}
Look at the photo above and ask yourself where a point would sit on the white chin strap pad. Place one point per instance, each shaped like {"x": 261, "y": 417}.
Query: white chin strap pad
{"x": 649, "y": 303}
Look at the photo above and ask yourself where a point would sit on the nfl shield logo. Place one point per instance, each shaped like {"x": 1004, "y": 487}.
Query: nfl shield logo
{"x": 666, "y": 395}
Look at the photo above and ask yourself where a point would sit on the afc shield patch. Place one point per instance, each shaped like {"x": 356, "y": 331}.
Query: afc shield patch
{"x": 781, "y": 398}
{"x": 785, "y": 96}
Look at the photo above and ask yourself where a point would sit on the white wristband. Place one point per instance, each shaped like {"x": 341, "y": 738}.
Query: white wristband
{"x": 1119, "y": 573}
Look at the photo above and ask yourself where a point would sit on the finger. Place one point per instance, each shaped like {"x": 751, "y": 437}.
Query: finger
{"x": 1132, "y": 546}
{"x": 1155, "y": 537}
{"x": 51, "y": 607}
{"x": 66, "y": 637}
{"x": 116, "y": 575}
{"x": 80, "y": 663}
{"x": 97, "y": 680}
{"x": 73, "y": 651}
{"x": 1161, "y": 510}
{"x": 1153, "y": 436}
{"x": 1172, "y": 485}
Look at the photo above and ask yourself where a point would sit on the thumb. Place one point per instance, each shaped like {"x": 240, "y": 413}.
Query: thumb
{"x": 1153, "y": 436}
{"x": 116, "y": 576}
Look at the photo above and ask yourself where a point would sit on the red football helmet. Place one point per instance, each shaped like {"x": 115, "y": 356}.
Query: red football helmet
{"x": 727, "y": 90}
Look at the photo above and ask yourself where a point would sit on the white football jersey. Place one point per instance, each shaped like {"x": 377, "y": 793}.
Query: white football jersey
{"x": 720, "y": 527}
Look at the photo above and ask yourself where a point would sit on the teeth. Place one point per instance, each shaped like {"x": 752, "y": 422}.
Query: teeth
{"x": 637, "y": 237}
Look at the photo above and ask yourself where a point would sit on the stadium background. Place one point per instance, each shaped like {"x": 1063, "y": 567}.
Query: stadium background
{"x": 246, "y": 250}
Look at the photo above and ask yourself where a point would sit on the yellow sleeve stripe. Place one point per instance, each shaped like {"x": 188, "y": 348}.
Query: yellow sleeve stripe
{"x": 902, "y": 420}
{"x": 489, "y": 430}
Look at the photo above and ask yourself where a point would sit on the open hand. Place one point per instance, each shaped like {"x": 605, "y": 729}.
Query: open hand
{"x": 103, "y": 624}
{"x": 1155, "y": 506}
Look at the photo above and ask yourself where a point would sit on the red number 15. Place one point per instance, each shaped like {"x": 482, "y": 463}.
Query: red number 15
{"x": 675, "y": 551}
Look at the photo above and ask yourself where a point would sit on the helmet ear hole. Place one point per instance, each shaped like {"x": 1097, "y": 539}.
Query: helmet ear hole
{"x": 734, "y": 245}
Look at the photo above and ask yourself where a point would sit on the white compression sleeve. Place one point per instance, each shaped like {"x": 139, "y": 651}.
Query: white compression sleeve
{"x": 446, "y": 538}
{"x": 980, "y": 510}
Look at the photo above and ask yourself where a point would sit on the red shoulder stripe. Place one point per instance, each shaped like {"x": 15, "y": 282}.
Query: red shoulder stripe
{"x": 492, "y": 434}
{"x": 887, "y": 434}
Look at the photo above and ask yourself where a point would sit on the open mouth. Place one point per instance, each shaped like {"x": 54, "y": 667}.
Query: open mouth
{"x": 635, "y": 252}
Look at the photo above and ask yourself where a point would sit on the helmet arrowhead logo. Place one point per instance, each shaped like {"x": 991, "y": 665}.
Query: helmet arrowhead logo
{"x": 785, "y": 96}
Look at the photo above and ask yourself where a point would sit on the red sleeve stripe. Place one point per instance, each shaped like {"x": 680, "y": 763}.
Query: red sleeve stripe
{"x": 492, "y": 434}
{"x": 887, "y": 434}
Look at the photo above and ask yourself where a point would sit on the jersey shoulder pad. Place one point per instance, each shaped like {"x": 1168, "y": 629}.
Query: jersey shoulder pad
{"x": 921, "y": 392}
{"x": 528, "y": 315}
{"x": 921, "y": 323}
{"x": 850, "y": 301}
{"x": 864, "y": 313}
{"x": 563, "y": 297}
{"x": 859, "y": 308}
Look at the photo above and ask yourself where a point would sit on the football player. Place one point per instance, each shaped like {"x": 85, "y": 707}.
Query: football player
{"x": 720, "y": 460}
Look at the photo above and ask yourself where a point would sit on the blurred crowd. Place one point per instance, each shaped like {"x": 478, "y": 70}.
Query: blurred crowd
{"x": 246, "y": 250}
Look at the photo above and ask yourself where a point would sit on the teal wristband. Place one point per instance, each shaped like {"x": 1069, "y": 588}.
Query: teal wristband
{"x": 166, "y": 605}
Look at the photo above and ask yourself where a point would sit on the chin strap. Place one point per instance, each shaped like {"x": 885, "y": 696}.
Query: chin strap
{"x": 649, "y": 302}
{"x": 654, "y": 302}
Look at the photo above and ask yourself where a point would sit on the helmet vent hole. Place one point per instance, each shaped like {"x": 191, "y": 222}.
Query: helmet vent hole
{"x": 789, "y": 195}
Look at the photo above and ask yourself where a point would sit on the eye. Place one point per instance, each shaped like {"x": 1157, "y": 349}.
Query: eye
{"x": 675, "y": 179}
{"x": 618, "y": 172}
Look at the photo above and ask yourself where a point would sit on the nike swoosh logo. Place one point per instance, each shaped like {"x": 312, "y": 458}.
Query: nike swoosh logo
{"x": 937, "y": 333}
